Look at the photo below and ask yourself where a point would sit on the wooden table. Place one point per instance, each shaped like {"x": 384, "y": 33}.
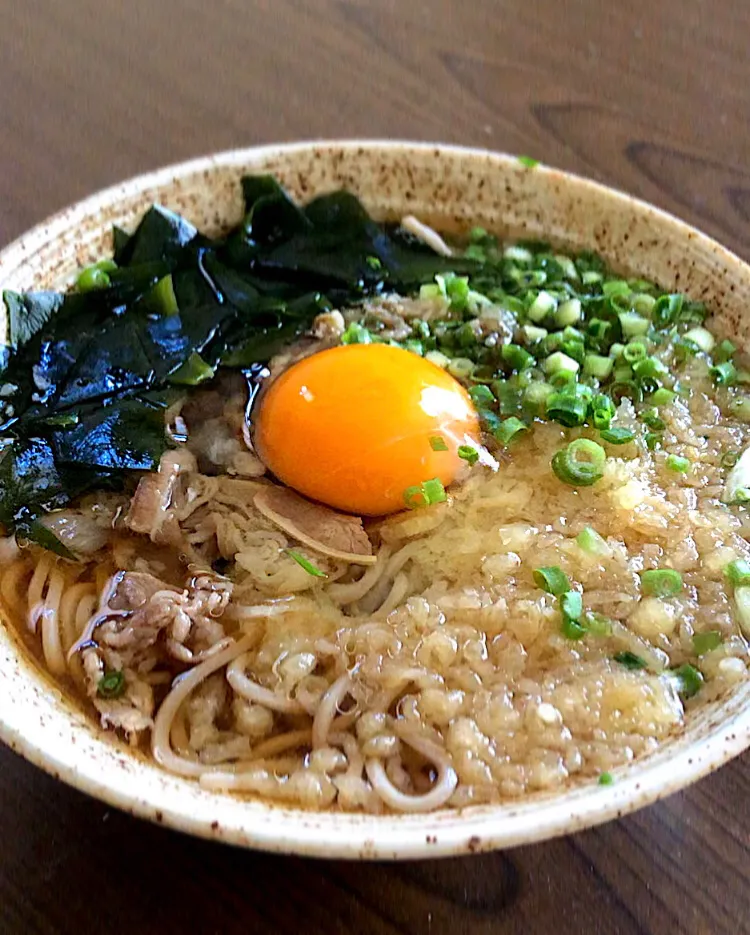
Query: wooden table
{"x": 652, "y": 96}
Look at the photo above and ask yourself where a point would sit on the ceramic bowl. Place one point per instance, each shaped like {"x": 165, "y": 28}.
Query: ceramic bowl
{"x": 449, "y": 187}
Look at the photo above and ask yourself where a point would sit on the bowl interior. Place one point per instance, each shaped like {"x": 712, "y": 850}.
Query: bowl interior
{"x": 451, "y": 188}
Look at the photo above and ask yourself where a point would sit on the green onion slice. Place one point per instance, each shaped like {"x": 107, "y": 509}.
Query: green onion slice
{"x": 606, "y": 779}
{"x": 617, "y": 435}
{"x": 304, "y": 563}
{"x": 469, "y": 454}
{"x": 630, "y": 660}
{"x": 706, "y": 641}
{"x": 438, "y": 443}
{"x": 661, "y": 582}
{"x": 688, "y": 680}
{"x": 552, "y": 579}
{"x": 678, "y": 464}
{"x": 590, "y": 541}
{"x": 427, "y": 493}
{"x": 738, "y": 572}
{"x": 571, "y": 605}
{"x": 508, "y": 430}
{"x": 580, "y": 464}
{"x": 481, "y": 395}
{"x": 571, "y": 629}
{"x": 111, "y": 684}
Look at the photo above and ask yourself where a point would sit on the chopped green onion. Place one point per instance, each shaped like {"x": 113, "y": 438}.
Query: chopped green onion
{"x": 702, "y": 338}
{"x": 663, "y": 397}
{"x": 616, "y": 350}
{"x": 461, "y": 368}
{"x": 562, "y": 378}
{"x": 552, "y": 579}
{"x": 469, "y": 454}
{"x": 706, "y": 641}
{"x": 527, "y": 161}
{"x": 427, "y": 493}
{"x": 304, "y": 563}
{"x": 575, "y": 349}
{"x": 481, "y": 395}
{"x": 597, "y": 624}
{"x": 489, "y": 420}
{"x": 634, "y": 352}
{"x": 603, "y": 411}
{"x": 742, "y": 606}
{"x": 434, "y": 491}
{"x": 111, "y": 684}
{"x": 435, "y": 357}
{"x": 649, "y": 367}
{"x": 567, "y": 265}
{"x": 571, "y": 629}
{"x": 653, "y": 440}
{"x": 571, "y": 605}
{"x": 617, "y": 435}
{"x": 632, "y": 324}
{"x": 92, "y": 278}
{"x": 580, "y": 464}
{"x": 653, "y": 420}
{"x": 567, "y": 409}
{"x": 590, "y": 541}
{"x": 596, "y": 366}
{"x": 661, "y": 582}
{"x": 666, "y": 310}
{"x": 356, "y": 334}
{"x": 738, "y": 572}
{"x": 517, "y": 357}
{"x": 568, "y": 312}
{"x": 162, "y": 297}
{"x": 630, "y": 660}
{"x": 438, "y": 443}
{"x": 535, "y": 397}
{"x": 373, "y": 262}
{"x": 723, "y": 373}
{"x": 606, "y": 779}
{"x": 678, "y": 464}
{"x": 725, "y": 351}
{"x": 508, "y": 430}
{"x": 590, "y": 276}
{"x": 688, "y": 680}
{"x": 532, "y": 333}
{"x": 193, "y": 371}
{"x": 644, "y": 304}
{"x": 740, "y": 408}
{"x": 729, "y": 459}
{"x": 559, "y": 361}
{"x": 615, "y": 287}
{"x": 542, "y": 305}
{"x": 518, "y": 253}
{"x": 621, "y": 389}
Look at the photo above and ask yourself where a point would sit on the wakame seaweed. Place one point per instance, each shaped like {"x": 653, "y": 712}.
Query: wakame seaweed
{"x": 85, "y": 374}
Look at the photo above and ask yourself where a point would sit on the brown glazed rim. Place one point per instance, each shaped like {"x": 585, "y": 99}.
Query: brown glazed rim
{"x": 452, "y": 187}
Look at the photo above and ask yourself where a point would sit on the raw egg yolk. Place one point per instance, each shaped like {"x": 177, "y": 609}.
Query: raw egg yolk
{"x": 354, "y": 426}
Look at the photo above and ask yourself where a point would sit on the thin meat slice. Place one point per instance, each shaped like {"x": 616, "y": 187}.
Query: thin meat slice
{"x": 337, "y": 535}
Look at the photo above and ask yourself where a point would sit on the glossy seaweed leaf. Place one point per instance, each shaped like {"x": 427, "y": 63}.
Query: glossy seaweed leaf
{"x": 30, "y": 480}
{"x": 340, "y": 245}
{"x": 126, "y": 436}
{"x": 28, "y": 313}
{"x": 270, "y": 214}
{"x": 160, "y": 236}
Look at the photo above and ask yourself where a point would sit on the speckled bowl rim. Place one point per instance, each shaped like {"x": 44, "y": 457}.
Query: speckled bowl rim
{"x": 64, "y": 745}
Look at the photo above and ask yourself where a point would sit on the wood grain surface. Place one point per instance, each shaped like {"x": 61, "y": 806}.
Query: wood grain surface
{"x": 652, "y": 96}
